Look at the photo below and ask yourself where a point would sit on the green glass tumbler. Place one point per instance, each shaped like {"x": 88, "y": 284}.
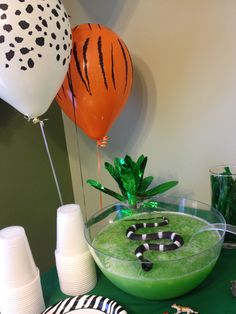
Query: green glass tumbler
{"x": 223, "y": 196}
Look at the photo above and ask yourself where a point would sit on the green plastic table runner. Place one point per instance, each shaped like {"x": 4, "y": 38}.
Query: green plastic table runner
{"x": 213, "y": 296}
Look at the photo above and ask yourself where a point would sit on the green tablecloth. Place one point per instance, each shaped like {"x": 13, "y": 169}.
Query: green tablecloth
{"x": 213, "y": 296}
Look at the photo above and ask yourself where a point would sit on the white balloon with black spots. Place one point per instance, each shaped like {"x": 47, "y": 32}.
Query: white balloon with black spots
{"x": 35, "y": 48}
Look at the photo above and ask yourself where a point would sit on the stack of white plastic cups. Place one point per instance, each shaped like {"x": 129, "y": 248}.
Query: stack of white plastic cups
{"x": 20, "y": 286}
{"x": 74, "y": 263}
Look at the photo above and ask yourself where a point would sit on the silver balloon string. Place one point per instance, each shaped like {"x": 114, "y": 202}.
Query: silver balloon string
{"x": 77, "y": 141}
{"x": 41, "y": 123}
{"x": 81, "y": 170}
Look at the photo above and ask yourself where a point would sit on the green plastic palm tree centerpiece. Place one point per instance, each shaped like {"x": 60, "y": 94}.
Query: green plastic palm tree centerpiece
{"x": 129, "y": 176}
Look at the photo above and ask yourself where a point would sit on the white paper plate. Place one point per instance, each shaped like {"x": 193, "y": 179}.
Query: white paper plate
{"x": 86, "y": 304}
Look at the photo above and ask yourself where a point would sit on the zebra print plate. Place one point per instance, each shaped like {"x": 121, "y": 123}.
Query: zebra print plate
{"x": 86, "y": 304}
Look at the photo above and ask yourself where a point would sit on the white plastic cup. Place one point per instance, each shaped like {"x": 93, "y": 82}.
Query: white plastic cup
{"x": 27, "y": 299}
{"x": 74, "y": 289}
{"x": 76, "y": 274}
{"x": 70, "y": 230}
{"x": 75, "y": 263}
{"x": 17, "y": 266}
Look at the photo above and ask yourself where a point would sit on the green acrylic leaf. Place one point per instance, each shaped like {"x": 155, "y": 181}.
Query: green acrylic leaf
{"x": 145, "y": 184}
{"x": 150, "y": 204}
{"x": 129, "y": 162}
{"x": 136, "y": 170}
{"x": 141, "y": 165}
{"x": 140, "y": 160}
{"x": 111, "y": 170}
{"x": 100, "y": 187}
{"x": 94, "y": 183}
{"x": 132, "y": 165}
{"x": 128, "y": 181}
{"x": 118, "y": 162}
{"x": 160, "y": 188}
{"x": 116, "y": 175}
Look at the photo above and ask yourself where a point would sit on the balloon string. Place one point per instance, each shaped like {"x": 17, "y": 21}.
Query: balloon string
{"x": 41, "y": 123}
{"x": 100, "y": 144}
{"x": 99, "y": 173}
{"x": 81, "y": 173}
{"x": 77, "y": 141}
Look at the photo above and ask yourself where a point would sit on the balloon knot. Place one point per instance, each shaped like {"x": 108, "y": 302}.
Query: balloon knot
{"x": 35, "y": 120}
{"x": 102, "y": 142}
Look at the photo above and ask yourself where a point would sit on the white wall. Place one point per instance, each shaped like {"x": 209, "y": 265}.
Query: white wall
{"x": 182, "y": 110}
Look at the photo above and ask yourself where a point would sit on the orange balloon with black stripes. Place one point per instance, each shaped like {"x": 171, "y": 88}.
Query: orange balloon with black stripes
{"x": 99, "y": 79}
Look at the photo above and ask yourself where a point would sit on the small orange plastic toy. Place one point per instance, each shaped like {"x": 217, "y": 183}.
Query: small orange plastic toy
{"x": 183, "y": 309}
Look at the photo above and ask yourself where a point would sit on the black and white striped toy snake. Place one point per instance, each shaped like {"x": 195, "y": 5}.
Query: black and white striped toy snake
{"x": 177, "y": 240}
